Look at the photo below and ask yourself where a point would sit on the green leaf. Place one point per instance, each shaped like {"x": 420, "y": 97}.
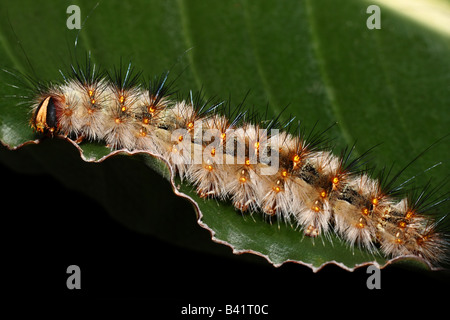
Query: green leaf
{"x": 386, "y": 86}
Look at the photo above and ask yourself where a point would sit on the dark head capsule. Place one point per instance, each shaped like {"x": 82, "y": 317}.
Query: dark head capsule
{"x": 45, "y": 118}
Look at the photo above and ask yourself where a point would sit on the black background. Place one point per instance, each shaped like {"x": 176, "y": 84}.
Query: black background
{"x": 46, "y": 228}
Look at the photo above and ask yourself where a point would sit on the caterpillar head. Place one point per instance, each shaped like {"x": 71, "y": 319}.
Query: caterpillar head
{"x": 45, "y": 117}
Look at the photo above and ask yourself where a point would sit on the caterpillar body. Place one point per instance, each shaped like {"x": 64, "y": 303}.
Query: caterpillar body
{"x": 288, "y": 176}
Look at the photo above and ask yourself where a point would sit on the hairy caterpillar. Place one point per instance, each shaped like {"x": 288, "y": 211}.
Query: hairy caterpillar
{"x": 237, "y": 158}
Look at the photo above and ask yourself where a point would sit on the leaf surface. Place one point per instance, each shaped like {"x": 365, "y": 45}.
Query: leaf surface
{"x": 318, "y": 58}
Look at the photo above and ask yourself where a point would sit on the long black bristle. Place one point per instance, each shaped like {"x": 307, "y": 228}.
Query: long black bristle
{"x": 125, "y": 78}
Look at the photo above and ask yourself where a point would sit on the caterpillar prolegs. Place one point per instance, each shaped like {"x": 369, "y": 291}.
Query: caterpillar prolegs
{"x": 260, "y": 166}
